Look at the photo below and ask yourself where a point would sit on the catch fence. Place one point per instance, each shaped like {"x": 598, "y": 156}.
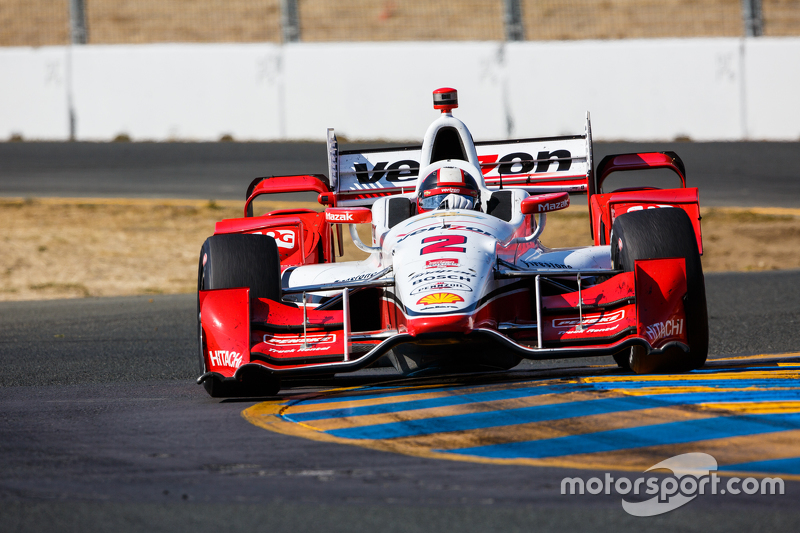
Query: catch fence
{"x": 56, "y": 22}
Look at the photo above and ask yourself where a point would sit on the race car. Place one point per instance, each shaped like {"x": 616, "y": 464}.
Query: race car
{"x": 456, "y": 278}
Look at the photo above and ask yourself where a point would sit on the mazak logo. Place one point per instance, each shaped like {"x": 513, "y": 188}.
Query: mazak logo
{"x": 284, "y": 238}
{"x": 441, "y": 263}
{"x": 338, "y": 217}
{"x": 693, "y": 474}
{"x": 225, "y": 358}
{"x": 553, "y": 206}
{"x": 440, "y": 298}
{"x": 589, "y": 320}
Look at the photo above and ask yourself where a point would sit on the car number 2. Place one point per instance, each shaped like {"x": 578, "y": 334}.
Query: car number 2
{"x": 443, "y": 243}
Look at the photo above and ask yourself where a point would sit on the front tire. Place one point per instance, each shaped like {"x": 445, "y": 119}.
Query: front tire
{"x": 232, "y": 261}
{"x": 657, "y": 234}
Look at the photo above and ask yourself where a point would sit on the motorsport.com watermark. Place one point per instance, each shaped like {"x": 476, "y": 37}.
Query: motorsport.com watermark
{"x": 692, "y": 476}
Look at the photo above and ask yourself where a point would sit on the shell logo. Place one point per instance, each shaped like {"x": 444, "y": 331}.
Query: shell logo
{"x": 440, "y": 298}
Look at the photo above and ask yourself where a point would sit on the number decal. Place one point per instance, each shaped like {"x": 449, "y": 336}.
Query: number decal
{"x": 443, "y": 243}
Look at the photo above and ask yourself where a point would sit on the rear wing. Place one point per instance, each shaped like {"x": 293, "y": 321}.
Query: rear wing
{"x": 546, "y": 164}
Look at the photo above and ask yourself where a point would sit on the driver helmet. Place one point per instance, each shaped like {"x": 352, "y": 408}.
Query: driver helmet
{"x": 448, "y": 188}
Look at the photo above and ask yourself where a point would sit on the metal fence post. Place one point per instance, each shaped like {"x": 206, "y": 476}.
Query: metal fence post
{"x": 77, "y": 22}
{"x": 515, "y": 30}
{"x": 753, "y": 20}
{"x": 290, "y": 21}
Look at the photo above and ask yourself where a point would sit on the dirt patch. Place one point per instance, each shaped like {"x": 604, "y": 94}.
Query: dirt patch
{"x": 70, "y": 248}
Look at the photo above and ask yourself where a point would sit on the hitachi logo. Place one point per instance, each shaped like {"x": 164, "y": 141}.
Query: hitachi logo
{"x": 225, "y": 358}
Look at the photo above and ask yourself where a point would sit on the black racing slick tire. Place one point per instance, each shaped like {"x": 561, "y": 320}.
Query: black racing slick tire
{"x": 656, "y": 234}
{"x": 232, "y": 261}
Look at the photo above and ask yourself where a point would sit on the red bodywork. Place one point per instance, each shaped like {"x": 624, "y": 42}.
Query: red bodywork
{"x": 604, "y": 208}
{"x": 303, "y": 236}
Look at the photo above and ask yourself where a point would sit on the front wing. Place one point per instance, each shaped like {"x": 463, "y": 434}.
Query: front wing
{"x": 644, "y": 307}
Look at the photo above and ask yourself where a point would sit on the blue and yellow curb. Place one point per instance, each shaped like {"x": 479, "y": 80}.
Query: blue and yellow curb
{"x": 744, "y": 411}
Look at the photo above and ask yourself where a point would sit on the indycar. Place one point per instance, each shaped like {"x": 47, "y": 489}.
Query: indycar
{"x": 456, "y": 278}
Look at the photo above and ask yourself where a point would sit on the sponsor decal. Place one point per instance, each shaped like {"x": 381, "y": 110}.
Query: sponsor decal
{"x": 225, "y": 358}
{"x": 454, "y": 276}
{"x": 440, "y": 298}
{"x": 641, "y": 207}
{"x": 416, "y": 275}
{"x": 513, "y": 163}
{"x": 588, "y": 329}
{"x": 662, "y": 330}
{"x": 439, "y": 228}
{"x": 590, "y": 320}
{"x": 398, "y": 171}
{"x": 523, "y": 163}
{"x": 441, "y": 263}
{"x": 553, "y": 206}
{"x": 284, "y": 238}
{"x": 539, "y": 264}
{"x": 316, "y": 343}
{"x": 442, "y": 286}
{"x": 312, "y": 339}
{"x": 360, "y": 277}
{"x": 338, "y": 217}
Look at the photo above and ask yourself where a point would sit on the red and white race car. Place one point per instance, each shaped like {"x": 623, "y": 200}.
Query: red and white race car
{"x": 456, "y": 276}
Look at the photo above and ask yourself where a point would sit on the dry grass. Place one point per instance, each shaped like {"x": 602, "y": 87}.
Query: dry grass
{"x": 62, "y": 248}
{"x": 44, "y": 22}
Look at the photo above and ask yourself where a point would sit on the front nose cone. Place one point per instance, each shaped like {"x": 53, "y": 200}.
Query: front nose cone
{"x": 435, "y": 326}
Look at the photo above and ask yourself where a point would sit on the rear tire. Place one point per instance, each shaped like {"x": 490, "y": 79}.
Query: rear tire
{"x": 228, "y": 262}
{"x": 656, "y": 234}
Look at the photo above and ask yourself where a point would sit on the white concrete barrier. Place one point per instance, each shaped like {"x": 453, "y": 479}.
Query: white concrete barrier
{"x": 177, "y": 91}
{"x": 34, "y": 93}
{"x": 772, "y": 89}
{"x": 703, "y": 89}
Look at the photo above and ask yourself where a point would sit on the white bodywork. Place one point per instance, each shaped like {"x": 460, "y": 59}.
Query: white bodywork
{"x": 453, "y": 253}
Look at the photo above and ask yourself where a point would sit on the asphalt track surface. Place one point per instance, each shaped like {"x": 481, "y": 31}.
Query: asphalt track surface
{"x": 727, "y": 173}
{"x": 102, "y": 427}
